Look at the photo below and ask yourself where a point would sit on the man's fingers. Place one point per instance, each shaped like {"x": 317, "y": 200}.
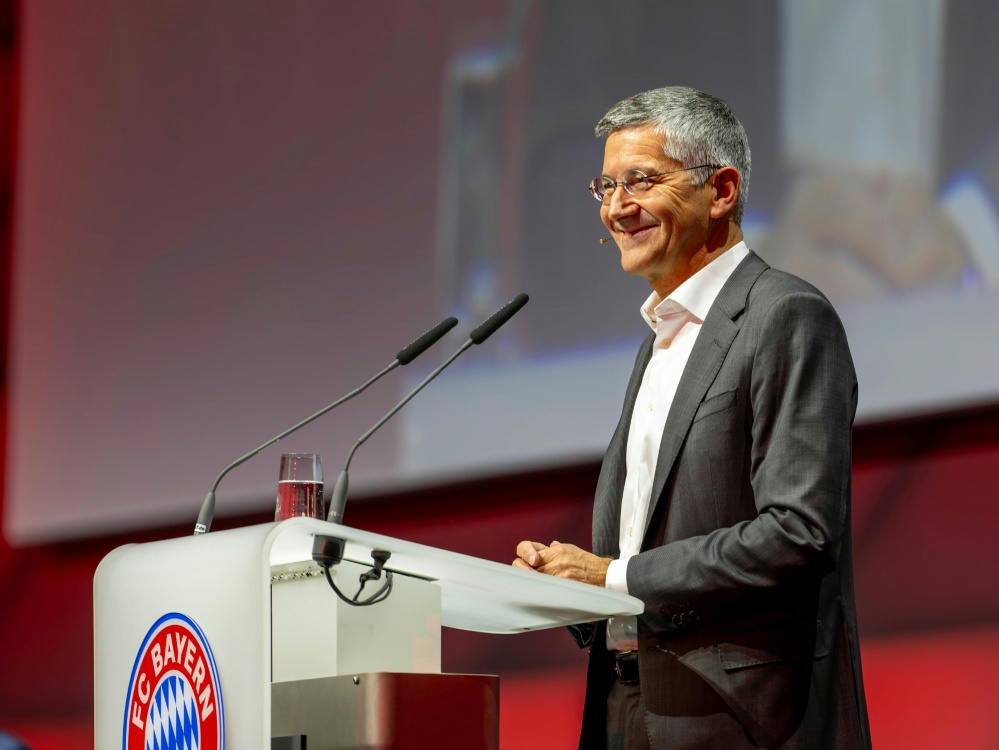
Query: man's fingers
{"x": 569, "y": 561}
{"x": 528, "y": 552}
{"x": 562, "y": 561}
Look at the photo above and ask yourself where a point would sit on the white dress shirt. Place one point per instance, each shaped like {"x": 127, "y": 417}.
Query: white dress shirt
{"x": 677, "y": 321}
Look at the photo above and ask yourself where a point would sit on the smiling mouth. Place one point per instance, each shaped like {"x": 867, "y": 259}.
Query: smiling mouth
{"x": 633, "y": 233}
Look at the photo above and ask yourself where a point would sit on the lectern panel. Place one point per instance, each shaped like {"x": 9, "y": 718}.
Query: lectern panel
{"x": 386, "y": 711}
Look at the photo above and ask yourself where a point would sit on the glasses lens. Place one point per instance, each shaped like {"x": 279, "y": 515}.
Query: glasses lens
{"x": 597, "y": 188}
{"x": 635, "y": 181}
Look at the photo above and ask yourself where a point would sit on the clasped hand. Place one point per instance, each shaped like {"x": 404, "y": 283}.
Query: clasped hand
{"x": 562, "y": 561}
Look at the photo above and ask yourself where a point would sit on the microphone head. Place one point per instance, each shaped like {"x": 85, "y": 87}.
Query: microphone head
{"x": 604, "y": 239}
{"x": 491, "y": 324}
{"x": 410, "y": 352}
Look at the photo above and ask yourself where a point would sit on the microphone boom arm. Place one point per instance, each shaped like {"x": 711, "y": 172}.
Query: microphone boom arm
{"x": 208, "y": 506}
{"x": 479, "y": 334}
{"x": 406, "y": 355}
{"x": 339, "y": 499}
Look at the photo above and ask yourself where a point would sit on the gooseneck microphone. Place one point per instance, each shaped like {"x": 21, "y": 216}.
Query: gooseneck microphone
{"x": 406, "y": 355}
{"x": 479, "y": 334}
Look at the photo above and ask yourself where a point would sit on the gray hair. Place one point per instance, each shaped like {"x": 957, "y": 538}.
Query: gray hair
{"x": 696, "y": 128}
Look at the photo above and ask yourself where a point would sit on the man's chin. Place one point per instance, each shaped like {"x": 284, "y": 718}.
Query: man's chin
{"x": 636, "y": 268}
{"x": 638, "y": 260}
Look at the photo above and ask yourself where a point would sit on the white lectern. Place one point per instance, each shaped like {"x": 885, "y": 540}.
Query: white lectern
{"x": 197, "y": 639}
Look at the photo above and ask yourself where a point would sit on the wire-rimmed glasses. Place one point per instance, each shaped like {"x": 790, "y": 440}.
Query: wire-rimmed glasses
{"x": 635, "y": 181}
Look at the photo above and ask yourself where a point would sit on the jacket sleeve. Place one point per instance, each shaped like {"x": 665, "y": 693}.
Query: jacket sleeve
{"x": 583, "y": 634}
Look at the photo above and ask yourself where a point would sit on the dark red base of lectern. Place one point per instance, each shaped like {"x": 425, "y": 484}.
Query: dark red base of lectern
{"x": 389, "y": 711}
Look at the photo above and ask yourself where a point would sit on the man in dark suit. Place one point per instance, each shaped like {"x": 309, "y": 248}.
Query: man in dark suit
{"x": 724, "y": 499}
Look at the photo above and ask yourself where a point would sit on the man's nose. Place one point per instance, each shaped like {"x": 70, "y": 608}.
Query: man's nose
{"x": 621, "y": 204}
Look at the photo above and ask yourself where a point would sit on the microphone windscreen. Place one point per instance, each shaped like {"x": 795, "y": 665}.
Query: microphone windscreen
{"x": 410, "y": 352}
{"x": 490, "y": 325}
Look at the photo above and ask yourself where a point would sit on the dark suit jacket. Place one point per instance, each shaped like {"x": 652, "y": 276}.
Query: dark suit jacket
{"x": 749, "y": 636}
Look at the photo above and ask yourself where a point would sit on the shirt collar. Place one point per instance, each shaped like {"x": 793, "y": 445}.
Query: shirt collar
{"x": 698, "y": 293}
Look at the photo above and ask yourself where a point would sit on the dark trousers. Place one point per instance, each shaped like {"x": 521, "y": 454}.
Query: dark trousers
{"x": 626, "y": 718}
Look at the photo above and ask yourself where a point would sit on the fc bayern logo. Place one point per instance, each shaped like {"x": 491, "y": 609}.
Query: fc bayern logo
{"x": 174, "y": 698}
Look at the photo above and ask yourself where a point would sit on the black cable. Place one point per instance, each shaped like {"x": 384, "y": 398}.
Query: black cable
{"x": 364, "y": 580}
{"x": 379, "y": 596}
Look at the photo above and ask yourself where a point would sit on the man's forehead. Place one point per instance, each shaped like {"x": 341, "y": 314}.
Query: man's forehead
{"x": 632, "y": 147}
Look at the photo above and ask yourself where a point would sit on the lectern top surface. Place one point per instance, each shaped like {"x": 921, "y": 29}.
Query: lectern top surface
{"x": 478, "y": 595}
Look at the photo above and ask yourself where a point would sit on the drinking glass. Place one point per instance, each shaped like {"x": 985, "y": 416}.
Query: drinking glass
{"x": 300, "y": 487}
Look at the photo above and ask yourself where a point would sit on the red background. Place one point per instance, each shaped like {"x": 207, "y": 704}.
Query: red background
{"x": 926, "y": 554}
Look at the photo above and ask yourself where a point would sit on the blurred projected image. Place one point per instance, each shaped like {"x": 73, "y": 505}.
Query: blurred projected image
{"x": 861, "y": 117}
{"x": 873, "y": 195}
{"x": 484, "y": 84}
{"x": 875, "y": 171}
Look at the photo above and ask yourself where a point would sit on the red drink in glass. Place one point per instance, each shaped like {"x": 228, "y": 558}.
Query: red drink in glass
{"x": 299, "y": 499}
{"x": 300, "y": 487}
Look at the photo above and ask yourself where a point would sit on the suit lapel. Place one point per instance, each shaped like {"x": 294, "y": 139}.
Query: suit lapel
{"x": 710, "y": 349}
{"x": 610, "y": 485}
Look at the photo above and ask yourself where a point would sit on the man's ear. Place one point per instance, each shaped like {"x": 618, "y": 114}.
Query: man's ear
{"x": 725, "y": 185}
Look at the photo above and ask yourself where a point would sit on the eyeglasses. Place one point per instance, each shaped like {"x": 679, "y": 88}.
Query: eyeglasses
{"x": 635, "y": 181}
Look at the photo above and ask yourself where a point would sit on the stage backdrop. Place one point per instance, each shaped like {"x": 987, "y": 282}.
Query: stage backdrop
{"x": 228, "y": 215}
